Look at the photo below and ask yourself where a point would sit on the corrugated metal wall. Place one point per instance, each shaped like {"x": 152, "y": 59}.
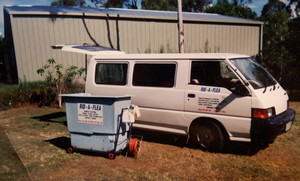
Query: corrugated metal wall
{"x": 33, "y": 36}
{"x": 217, "y": 38}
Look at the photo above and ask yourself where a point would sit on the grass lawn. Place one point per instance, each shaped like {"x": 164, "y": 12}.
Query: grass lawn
{"x": 34, "y": 140}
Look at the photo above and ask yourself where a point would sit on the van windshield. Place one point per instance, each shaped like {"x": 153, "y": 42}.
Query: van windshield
{"x": 257, "y": 76}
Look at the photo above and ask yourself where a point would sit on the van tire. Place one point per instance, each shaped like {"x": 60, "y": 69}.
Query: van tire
{"x": 208, "y": 136}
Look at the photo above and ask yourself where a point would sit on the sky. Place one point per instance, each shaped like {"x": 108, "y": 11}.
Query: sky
{"x": 256, "y": 6}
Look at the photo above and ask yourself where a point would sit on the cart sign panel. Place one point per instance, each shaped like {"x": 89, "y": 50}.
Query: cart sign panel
{"x": 90, "y": 113}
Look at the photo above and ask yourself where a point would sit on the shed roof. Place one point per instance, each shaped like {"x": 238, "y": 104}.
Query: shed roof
{"x": 125, "y": 13}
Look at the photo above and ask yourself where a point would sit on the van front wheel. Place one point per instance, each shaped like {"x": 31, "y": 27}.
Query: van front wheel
{"x": 208, "y": 136}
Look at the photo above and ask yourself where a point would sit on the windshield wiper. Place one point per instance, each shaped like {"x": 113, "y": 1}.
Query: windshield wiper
{"x": 265, "y": 89}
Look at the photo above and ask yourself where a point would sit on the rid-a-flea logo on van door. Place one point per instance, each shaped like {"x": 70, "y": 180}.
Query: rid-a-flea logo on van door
{"x": 208, "y": 89}
{"x": 90, "y": 113}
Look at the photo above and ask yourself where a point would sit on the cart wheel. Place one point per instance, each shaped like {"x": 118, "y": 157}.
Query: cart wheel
{"x": 134, "y": 146}
{"x": 70, "y": 150}
{"x": 111, "y": 155}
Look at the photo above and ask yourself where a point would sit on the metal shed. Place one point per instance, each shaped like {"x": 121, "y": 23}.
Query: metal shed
{"x": 32, "y": 30}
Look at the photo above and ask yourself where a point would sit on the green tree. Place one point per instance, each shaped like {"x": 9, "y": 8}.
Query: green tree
{"x": 293, "y": 64}
{"x": 275, "y": 55}
{"x": 236, "y": 8}
{"x": 194, "y": 5}
{"x": 171, "y": 5}
{"x": 164, "y": 5}
{"x": 68, "y": 3}
{"x": 130, "y": 4}
{"x": 272, "y": 7}
{"x": 293, "y": 38}
{"x": 295, "y": 3}
{"x": 114, "y": 3}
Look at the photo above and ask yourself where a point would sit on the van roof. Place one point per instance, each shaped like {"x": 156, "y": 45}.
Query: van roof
{"x": 100, "y": 52}
{"x": 89, "y": 49}
{"x": 173, "y": 56}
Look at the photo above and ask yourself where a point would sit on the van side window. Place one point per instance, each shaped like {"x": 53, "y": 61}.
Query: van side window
{"x": 154, "y": 75}
{"x": 211, "y": 73}
{"x": 111, "y": 73}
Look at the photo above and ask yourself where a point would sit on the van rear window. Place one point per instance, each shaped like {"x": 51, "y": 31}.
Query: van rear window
{"x": 111, "y": 73}
{"x": 154, "y": 75}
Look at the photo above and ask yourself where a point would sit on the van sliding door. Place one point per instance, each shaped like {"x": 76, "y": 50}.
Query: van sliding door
{"x": 154, "y": 85}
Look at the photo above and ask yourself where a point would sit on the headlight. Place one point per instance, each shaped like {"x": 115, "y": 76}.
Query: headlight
{"x": 263, "y": 113}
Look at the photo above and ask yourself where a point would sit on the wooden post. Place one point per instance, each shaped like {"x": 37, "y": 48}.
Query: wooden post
{"x": 180, "y": 28}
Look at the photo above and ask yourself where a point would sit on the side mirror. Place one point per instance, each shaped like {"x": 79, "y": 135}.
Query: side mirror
{"x": 240, "y": 90}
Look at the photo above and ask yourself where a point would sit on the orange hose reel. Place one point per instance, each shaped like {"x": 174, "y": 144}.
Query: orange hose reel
{"x": 134, "y": 146}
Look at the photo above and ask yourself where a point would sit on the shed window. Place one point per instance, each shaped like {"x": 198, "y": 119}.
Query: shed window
{"x": 111, "y": 73}
{"x": 154, "y": 75}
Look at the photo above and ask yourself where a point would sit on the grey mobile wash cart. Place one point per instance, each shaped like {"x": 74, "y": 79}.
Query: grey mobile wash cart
{"x": 95, "y": 123}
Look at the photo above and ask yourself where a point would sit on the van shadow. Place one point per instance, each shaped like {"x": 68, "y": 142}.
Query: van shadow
{"x": 149, "y": 136}
{"x": 161, "y": 137}
{"x": 58, "y": 117}
{"x": 65, "y": 143}
{"x": 243, "y": 148}
{"x": 235, "y": 148}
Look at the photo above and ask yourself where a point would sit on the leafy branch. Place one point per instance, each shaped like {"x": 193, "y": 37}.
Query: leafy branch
{"x": 54, "y": 77}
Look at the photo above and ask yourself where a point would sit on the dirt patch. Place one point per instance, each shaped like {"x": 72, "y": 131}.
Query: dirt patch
{"x": 39, "y": 136}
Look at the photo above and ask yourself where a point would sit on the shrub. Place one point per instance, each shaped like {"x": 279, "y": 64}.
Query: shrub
{"x": 61, "y": 82}
{"x": 25, "y": 93}
{"x": 43, "y": 93}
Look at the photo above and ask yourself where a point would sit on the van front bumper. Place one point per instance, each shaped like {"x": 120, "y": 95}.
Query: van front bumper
{"x": 264, "y": 131}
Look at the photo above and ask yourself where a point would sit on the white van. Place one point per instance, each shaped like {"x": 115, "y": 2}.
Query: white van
{"x": 211, "y": 97}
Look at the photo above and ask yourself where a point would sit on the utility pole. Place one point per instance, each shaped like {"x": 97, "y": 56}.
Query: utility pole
{"x": 180, "y": 28}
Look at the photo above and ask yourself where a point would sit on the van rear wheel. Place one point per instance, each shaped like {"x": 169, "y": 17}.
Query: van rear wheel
{"x": 208, "y": 136}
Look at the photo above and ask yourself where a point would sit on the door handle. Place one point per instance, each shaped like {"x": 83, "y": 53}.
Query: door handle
{"x": 191, "y": 95}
